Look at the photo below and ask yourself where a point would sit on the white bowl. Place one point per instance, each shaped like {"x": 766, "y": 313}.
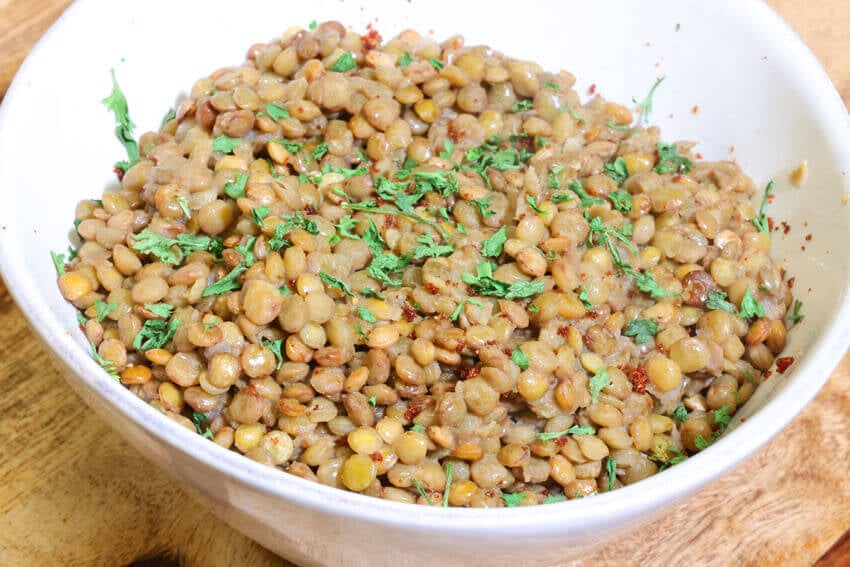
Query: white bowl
{"x": 757, "y": 87}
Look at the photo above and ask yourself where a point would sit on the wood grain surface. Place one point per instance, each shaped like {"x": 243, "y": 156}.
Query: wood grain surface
{"x": 74, "y": 493}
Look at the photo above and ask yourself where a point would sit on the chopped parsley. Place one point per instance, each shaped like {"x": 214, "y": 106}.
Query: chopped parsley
{"x": 429, "y": 248}
{"x": 184, "y": 206}
{"x": 750, "y": 307}
{"x": 642, "y": 330}
{"x": 155, "y": 333}
{"x": 646, "y": 282}
{"x": 602, "y": 233}
{"x": 421, "y": 491}
{"x": 617, "y": 170}
{"x": 343, "y": 63}
{"x": 620, "y": 127}
{"x": 574, "y": 430}
{"x": 645, "y": 107}
{"x": 405, "y": 60}
{"x": 597, "y": 383}
{"x": 107, "y": 365}
{"x": 513, "y": 500}
{"x": 585, "y": 300}
{"x": 312, "y": 25}
{"x": 554, "y": 498}
{"x": 161, "y": 310}
{"x": 680, "y": 414}
{"x": 276, "y": 348}
{"x": 447, "y": 491}
{"x": 366, "y": 292}
{"x": 483, "y": 205}
{"x": 484, "y": 284}
{"x": 721, "y": 419}
{"x": 585, "y": 200}
{"x": 611, "y": 470}
{"x": 373, "y": 401}
{"x": 761, "y": 222}
{"x": 717, "y": 300}
{"x": 235, "y": 189}
{"x": 147, "y": 242}
{"x": 492, "y": 247}
{"x": 227, "y": 283}
{"x": 533, "y": 204}
{"x": 436, "y": 63}
{"x": 521, "y": 105}
{"x": 669, "y": 160}
{"x": 383, "y": 264}
{"x": 336, "y": 282}
{"x": 58, "y": 262}
{"x": 199, "y": 419}
{"x": 259, "y": 214}
{"x": 226, "y": 144}
{"x": 291, "y": 147}
{"x": 621, "y": 200}
{"x": 275, "y": 111}
{"x": 553, "y": 86}
{"x": 320, "y": 151}
{"x": 103, "y": 309}
{"x": 519, "y": 358}
{"x": 289, "y": 223}
{"x": 169, "y": 116}
{"x": 456, "y": 313}
{"x": 448, "y": 149}
{"x": 532, "y": 308}
{"x": 366, "y": 315}
{"x": 117, "y": 103}
{"x": 795, "y": 315}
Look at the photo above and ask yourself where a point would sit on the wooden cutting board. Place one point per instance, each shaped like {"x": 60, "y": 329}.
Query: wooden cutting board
{"x": 72, "y": 492}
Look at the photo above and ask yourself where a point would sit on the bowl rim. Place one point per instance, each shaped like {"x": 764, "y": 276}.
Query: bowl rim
{"x": 678, "y": 481}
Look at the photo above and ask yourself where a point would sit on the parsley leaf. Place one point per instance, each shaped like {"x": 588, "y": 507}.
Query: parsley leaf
{"x": 533, "y": 204}
{"x": 312, "y": 25}
{"x": 103, "y": 309}
{"x": 383, "y": 264}
{"x": 199, "y": 419}
{"x": 585, "y": 200}
{"x": 289, "y": 223}
{"x": 421, "y": 491}
{"x": 275, "y": 111}
{"x": 554, "y": 498}
{"x": 429, "y": 248}
{"x": 761, "y": 222}
{"x": 620, "y": 127}
{"x": 366, "y": 315}
{"x": 519, "y": 358}
{"x": 611, "y": 470}
{"x": 58, "y": 262}
{"x": 574, "y": 430}
{"x": 235, "y": 189}
{"x": 320, "y": 151}
{"x": 680, "y": 414}
{"x": 750, "y": 307}
{"x": 484, "y": 284}
{"x": 641, "y": 329}
{"x": 669, "y": 160}
{"x": 169, "y": 116}
{"x": 645, "y": 107}
{"x": 436, "y": 63}
{"x": 617, "y": 170}
{"x": 259, "y": 214}
{"x": 107, "y": 365}
{"x": 553, "y": 86}
{"x": 373, "y": 401}
{"x": 521, "y": 105}
{"x": 117, "y": 103}
{"x": 227, "y": 283}
{"x": 226, "y": 144}
{"x": 492, "y": 247}
{"x": 276, "y": 347}
{"x": 513, "y": 500}
{"x": 449, "y": 148}
{"x": 336, "y": 282}
{"x": 621, "y": 200}
{"x": 597, "y": 383}
{"x": 483, "y": 205}
{"x": 162, "y": 310}
{"x": 155, "y": 333}
{"x": 722, "y": 417}
{"x": 291, "y": 147}
{"x": 366, "y": 292}
{"x": 184, "y": 206}
{"x": 585, "y": 300}
{"x": 795, "y": 314}
{"x": 447, "y": 490}
{"x": 405, "y": 60}
{"x": 717, "y": 300}
{"x": 344, "y": 62}
{"x": 646, "y": 282}
{"x": 442, "y": 181}
{"x": 456, "y": 313}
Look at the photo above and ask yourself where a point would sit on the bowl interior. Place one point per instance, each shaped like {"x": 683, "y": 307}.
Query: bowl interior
{"x": 762, "y": 99}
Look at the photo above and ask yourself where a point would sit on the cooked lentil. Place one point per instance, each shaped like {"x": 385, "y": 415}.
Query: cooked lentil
{"x": 367, "y": 265}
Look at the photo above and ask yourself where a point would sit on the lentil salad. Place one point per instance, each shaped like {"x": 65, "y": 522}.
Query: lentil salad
{"x": 426, "y": 272}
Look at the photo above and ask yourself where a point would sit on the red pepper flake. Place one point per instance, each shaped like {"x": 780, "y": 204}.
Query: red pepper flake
{"x": 592, "y": 89}
{"x": 563, "y": 330}
{"x": 661, "y": 348}
{"x": 767, "y": 375}
{"x": 732, "y": 149}
{"x": 372, "y": 39}
{"x": 413, "y": 411}
{"x": 791, "y": 282}
{"x": 695, "y": 109}
{"x": 377, "y": 457}
{"x": 803, "y": 248}
{"x": 783, "y": 362}
{"x": 432, "y": 289}
{"x": 809, "y": 237}
{"x": 786, "y": 228}
{"x": 638, "y": 378}
{"x": 698, "y": 155}
{"x": 309, "y": 210}
{"x": 771, "y": 224}
{"x": 119, "y": 173}
{"x": 587, "y": 341}
{"x": 409, "y": 311}
{"x": 743, "y": 419}
{"x": 561, "y": 441}
{"x": 469, "y": 372}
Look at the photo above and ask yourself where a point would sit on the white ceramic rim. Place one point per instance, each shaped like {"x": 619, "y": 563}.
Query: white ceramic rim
{"x": 685, "y": 478}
